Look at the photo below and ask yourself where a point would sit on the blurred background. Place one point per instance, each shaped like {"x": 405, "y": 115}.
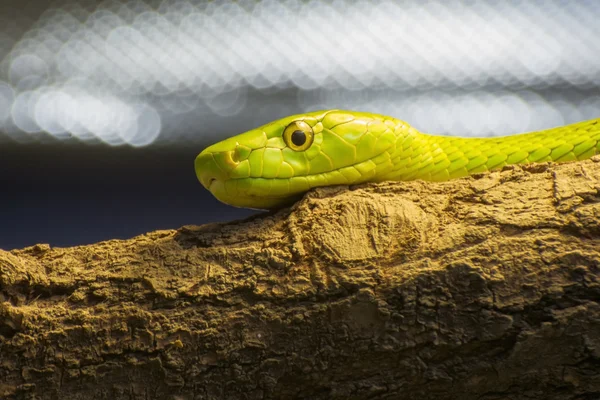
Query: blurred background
{"x": 104, "y": 105}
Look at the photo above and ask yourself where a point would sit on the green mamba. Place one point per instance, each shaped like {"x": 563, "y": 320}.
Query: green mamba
{"x": 273, "y": 165}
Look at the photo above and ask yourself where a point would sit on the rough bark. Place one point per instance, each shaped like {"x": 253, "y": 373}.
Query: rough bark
{"x": 480, "y": 288}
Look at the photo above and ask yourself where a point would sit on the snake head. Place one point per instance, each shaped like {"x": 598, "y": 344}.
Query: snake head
{"x": 273, "y": 165}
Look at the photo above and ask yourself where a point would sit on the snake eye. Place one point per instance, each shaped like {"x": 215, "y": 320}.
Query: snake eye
{"x": 298, "y": 136}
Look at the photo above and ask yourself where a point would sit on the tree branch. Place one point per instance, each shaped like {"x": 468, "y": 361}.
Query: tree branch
{"x": 480, "y": 288}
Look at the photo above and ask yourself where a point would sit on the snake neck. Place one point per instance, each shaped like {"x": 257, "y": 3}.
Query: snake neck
{"x": 438, "y": 158}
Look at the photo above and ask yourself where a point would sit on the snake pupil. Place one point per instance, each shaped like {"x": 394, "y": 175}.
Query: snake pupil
{"x": 298, "y": 138}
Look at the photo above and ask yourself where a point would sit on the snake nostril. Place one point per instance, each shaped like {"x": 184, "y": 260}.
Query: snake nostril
{"x": 240, "y": 153}
{"x": 230, "y": 158}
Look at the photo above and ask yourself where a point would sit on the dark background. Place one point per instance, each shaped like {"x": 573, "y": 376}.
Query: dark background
{"x": 67, "y": 194}
{"x": 208, "y": 70}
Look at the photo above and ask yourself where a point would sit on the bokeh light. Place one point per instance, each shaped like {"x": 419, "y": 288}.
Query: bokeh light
{"x": 141, "y": 72}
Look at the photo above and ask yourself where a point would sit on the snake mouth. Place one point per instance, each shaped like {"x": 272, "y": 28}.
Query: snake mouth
{"x": 281, "y": 191}
{"x": 267, "y": 193}
{"x": 229, "y": 192}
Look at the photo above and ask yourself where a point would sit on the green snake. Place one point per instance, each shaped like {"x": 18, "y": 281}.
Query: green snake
{"x": 273, "y": 165}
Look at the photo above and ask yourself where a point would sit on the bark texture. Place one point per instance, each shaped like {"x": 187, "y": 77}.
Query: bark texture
{"x": 480, "y": 288}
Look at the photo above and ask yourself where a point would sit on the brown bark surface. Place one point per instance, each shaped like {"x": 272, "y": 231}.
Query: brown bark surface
{"x": 480, "y": 288}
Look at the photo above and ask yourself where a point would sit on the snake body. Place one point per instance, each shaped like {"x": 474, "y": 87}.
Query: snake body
{"x": 273, "y": 165}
